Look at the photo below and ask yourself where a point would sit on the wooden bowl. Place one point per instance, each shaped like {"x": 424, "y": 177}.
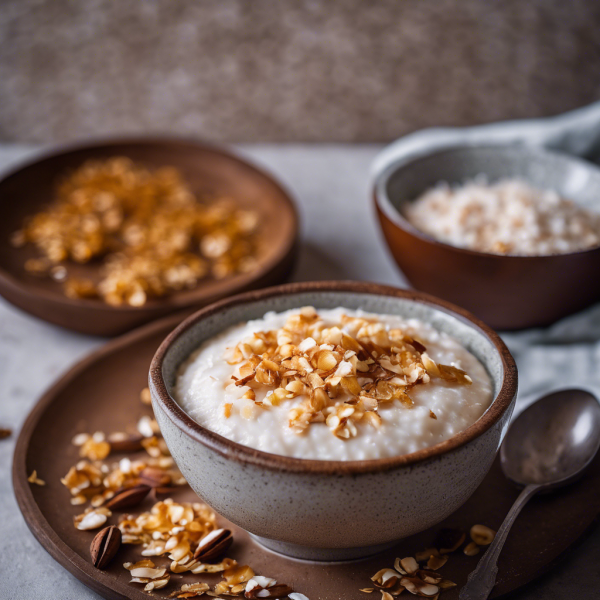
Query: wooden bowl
{"x": 507, "y": 292}
{"x": 25, "y": 190}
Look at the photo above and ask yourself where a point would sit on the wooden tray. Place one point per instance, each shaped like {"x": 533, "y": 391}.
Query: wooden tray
{"x": 206, "y": 168}
{"x": 102, "y": 393}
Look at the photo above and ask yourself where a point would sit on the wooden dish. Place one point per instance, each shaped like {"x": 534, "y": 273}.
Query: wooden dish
{"x": 26, "y": 189}
{"x": 102, "y": 393}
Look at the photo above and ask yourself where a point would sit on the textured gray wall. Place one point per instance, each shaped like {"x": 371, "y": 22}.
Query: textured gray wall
{"x": 271, "y": 70}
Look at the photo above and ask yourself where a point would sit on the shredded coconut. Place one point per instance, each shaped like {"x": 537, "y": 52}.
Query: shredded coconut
{"x": 507, "y": 217}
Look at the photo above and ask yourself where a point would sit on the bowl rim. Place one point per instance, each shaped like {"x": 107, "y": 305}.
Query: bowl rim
{"x": 385, "y": 206}
{"x": 174, "y": 301}
{"x": 246, "y": 455}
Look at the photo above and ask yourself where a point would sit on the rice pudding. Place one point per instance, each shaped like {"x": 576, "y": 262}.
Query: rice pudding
{"x": 334, "y": 384}
{"x": 506, "y": 217}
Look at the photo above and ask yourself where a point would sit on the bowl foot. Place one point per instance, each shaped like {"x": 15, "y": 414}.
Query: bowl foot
{"x": 321, "y": 554}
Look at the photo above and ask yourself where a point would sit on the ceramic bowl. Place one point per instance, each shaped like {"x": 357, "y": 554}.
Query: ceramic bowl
{"x": 507, "y": 292}
{"x": 329, "y": 510}
{"x": 206, "y": 168}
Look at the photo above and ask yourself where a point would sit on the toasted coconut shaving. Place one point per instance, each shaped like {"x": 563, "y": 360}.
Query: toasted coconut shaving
{"x": 33, "y": 478}
{"x": 152, "y": 234}
{"x": 344, "y": 371}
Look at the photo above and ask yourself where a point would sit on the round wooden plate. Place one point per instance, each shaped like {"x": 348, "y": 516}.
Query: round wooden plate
{"x": 102, "y": 393}
{"x": 207, "y": 169}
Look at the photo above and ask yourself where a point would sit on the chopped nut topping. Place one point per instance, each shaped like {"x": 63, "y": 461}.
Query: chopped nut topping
{"x": 184, "y": 533}
{"x": 409, "y": 565}
{"x": 345, "y": 371}
{"x": 471, "y": 549}
{"x": 482, "y": 535}
{"x": 92, "y": 518}
{"x": 190, "y": 590}
{"x": 5, "y": 432}
{"x": 437, "y": 562}
{"x": 145, "y": 397}
{"x": 386, "y": 578}
{"x": 152, "y": 233}
{"x": 33, "y": 478}
{"x": 407, "y": 575}
{"x": 94, "y": 447}
{"x": 419, "y": 587}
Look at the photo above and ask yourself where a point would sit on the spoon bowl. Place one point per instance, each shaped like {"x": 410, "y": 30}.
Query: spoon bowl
{"x": 551, "y": 442}
{"x": 548, "y": 445}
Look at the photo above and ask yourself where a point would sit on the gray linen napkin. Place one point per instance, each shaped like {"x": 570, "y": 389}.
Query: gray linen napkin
{"x": 567, "y": 354}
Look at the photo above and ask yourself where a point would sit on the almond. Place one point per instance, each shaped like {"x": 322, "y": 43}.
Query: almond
{"x": 128, "y": 497}
{"x": 105, "y": 546}
{"x": 213, "y": 545}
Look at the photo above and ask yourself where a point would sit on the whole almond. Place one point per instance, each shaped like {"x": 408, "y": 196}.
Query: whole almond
{"x": 128, "y": 497}
{"x": 104, "y": 546}
{"x": 154, "y": 477}
{"x": 125, "y": 443}
{"x": 213, "y": 545}
{"x": 279, "y": 590}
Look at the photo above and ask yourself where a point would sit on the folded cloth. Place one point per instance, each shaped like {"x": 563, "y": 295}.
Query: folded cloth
{"x": 575, "y": 132}
{"x": 566, "y": 354}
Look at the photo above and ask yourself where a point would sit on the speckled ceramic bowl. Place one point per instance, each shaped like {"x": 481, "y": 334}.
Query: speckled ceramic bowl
{"x": 328, "y": 510}
{"x": 507, "y": 292}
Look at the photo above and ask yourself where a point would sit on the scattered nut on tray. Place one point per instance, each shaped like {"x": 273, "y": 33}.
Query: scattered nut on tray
{"x": 150, "y": 234}
{"x": 182, "y": 537}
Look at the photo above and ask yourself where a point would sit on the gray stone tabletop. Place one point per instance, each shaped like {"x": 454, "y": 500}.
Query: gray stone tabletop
{"x": 340, "y": 241}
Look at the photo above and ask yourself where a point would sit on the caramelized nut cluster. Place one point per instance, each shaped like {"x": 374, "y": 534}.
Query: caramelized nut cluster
{"x": 345, "y": 371}
{"x": 418, "y": 575}
{"x": 152, "y": 232}
{"x": 184, "y": 533}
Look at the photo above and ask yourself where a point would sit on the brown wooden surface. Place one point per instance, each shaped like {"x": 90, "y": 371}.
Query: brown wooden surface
{"x": 102, "y": 393}
{"x": 207, "y": 169}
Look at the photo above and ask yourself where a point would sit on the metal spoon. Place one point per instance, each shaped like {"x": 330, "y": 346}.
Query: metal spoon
{"x": 548, "y": 445}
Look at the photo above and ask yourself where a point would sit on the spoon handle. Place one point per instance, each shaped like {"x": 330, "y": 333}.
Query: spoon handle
{"x": 483, "y": 578}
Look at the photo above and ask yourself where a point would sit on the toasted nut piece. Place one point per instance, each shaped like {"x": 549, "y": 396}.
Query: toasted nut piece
{"x": 190, "y": 590}
{"x": 482, "y": 535}
{"x": 471, "y": 549}
{"x": 145, "y": 396}
{"x": 92, "y": 518}
{"x": 105, "y": 546}
{"x": 213, "y": 545}
{"x": 424, "y": 555}
{"x": 386, "y": 578}
{"x": 5, "y": 432}
{"x": 297, "y": 596}
{"x": 409, "y": 564}
{"x": 419, "y": 588}
{"x": 449, "y": 540}
{"x": 123, "y": 442}
{"x": 157, "y": 584}
{"x": 278, "y": 590}
{"x": 128, "y": 497}
{"x": 33, "y": 478}
{"x": 437, "y": 562}
{"x": 367, "y": 590}
{"x": 154, "y": 477}
{"x": 445, "y": 584}
{"x": 386, "y": 596}
{"x": 429, "y": 576}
